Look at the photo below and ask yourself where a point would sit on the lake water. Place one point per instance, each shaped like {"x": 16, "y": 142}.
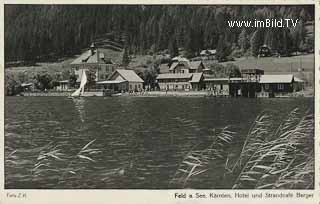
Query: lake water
{"x": 139, "y": 142}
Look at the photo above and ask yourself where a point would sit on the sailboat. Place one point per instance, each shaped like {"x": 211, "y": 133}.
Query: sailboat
{"x": 79, "y": 92}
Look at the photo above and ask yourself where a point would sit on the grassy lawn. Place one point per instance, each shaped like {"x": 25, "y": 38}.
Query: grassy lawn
{"x": 274, "y": 64}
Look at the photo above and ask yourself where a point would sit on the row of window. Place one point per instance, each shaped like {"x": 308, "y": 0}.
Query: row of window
{"x": 135, "y": 86}
{"x": 279, "y": 86}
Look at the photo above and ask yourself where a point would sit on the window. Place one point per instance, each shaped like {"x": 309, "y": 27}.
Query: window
{"x": 182, "y": 71}
{"x": 182, "y": 86}
{"x": 266, "y": 86}
{"x": 130, "y": 86}
{"x": 221, "y": 86}
{"x": 280, "y": 86}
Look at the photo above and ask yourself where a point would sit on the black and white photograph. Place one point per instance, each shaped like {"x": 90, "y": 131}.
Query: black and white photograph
{"x": 159, "y": 97}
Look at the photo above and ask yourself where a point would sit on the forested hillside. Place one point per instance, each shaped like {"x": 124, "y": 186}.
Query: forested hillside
{"x": 33, "y": 32}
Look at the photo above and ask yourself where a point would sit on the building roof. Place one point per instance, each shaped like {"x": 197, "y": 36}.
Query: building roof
{"x": 110, "y": 82}
{"x": 164, "y": 68}
{"x": 82, "y": 58}
{"x": 128, "y": 75}
{"x": 296, "y": 79}
{"x": 63, "y": 81}
{"x": 252, "y": 71}
{"x": 173, "y": 65}
{"x": 194, "y": 64}
{"x": 87, "y": 57}
{"x": 196, "y": 77}
{"x": 285, "y": 78}
{"x": 26, "y": 84}
{"x": 188, "y": 65}
{"x": 216, "y": 79}
{"x": 180, "y": 59}
{"x": 208, "y": 52}
{"x": 174, "y": 76}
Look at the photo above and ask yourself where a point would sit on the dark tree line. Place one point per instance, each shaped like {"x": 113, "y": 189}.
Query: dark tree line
{"x": 34, "y": 31}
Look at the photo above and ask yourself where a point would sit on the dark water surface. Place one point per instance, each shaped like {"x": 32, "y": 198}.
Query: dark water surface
{"x": 141, "y": 141}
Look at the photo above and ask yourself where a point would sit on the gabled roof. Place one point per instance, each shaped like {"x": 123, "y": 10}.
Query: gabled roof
{"x": 128, "y": 75}
{"x": 174, "y": 76}
{"x": 88, "y": 58}
{"x": 188, "y": 65}
{"x": 173, "y": 65}
{"x": 164, "y": 68}
{"x": 196, "y": 77}
{"x": 180, "y": 59}
{"x": 194, "y": 64}
{"x": 82, "y": 58}
{"x": 285, "y": 78}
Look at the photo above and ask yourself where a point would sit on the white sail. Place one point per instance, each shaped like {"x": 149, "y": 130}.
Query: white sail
{"x": 77, "y": 92}
{"x": 83, "y": 82}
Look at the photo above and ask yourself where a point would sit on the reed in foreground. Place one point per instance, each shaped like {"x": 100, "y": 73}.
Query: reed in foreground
{"x": 272, "y": 156}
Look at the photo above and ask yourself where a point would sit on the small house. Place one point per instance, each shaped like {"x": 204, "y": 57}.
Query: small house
{"x": 272, "y": 85}
{"x": 264, "y": 51}
{"x": 122, "y": 80}
{"x": 217, "y": 86}
{"x": 62, "y": 85}
{"x": 185, "y": 67}
{"x": 208, "y": 54}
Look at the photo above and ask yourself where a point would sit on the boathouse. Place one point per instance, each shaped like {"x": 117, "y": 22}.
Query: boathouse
{"x": 217, "y": 86}
{"x": 272, "y": 85}
{"x": 122, "y": 80}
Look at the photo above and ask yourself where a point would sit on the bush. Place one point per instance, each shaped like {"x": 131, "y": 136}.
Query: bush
{"x": 237, "y": 53}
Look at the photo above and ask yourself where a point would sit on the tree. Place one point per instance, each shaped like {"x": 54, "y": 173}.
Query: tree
{"x": 256, "y": 41}
{"x": 286, "y": 45}
{"x": 298, "y": 35}
{"x": 44, "y": 81}
{"x": 223, "y": 49}
{"x": 72, "y": 80}
{"x": 12, "y": 86}
{"x": 91, "y": 77}
{"x": 125, "y": 57}
{"x": 232, "y": 70}
{"x": 243, "y": 40}
{"x": 173, "y": 48}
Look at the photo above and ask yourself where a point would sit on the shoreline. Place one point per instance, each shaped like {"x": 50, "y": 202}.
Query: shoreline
{"x": 304, "y": 94}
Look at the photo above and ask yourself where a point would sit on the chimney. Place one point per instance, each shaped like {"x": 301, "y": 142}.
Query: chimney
{"x": 92, "y": 49}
